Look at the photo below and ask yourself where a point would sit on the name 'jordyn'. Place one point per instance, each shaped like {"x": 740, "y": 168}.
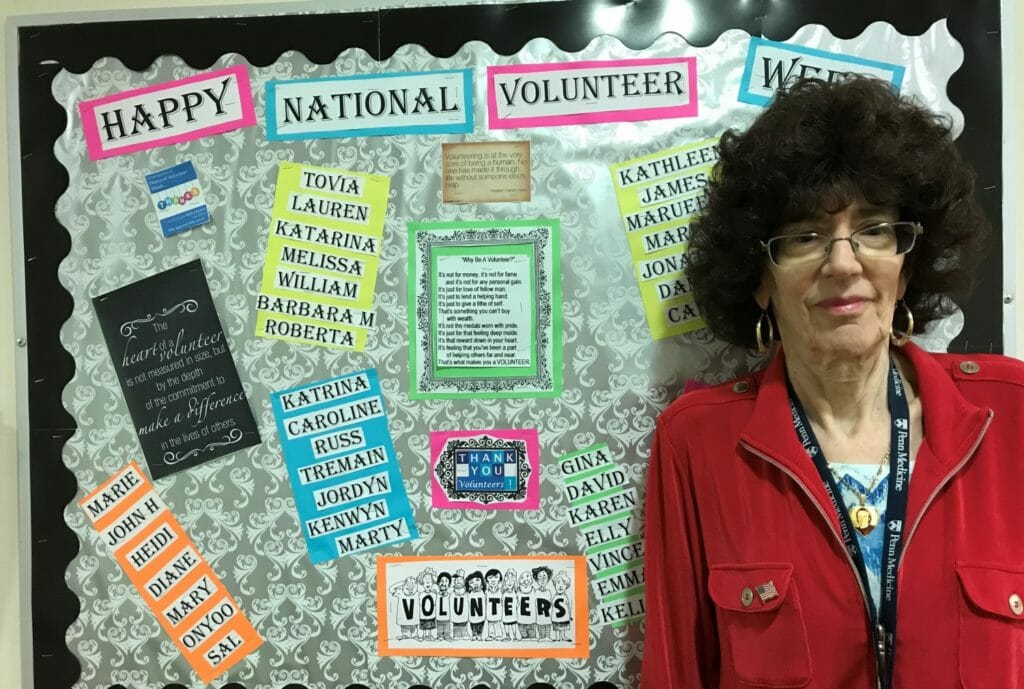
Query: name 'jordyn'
{"x": 595, "y": 87}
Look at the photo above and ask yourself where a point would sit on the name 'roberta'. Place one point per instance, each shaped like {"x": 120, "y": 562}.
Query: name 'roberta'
{"x": 592, "y": 87}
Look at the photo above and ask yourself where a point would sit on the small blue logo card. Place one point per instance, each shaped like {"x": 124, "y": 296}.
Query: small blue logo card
{"x": 177, "y": 198}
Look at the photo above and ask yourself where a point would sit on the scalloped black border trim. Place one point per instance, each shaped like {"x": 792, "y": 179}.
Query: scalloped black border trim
{"x": 44, "y": 50}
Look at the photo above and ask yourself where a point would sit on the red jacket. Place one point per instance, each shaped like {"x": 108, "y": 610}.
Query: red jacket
{"x": 733, "y": 501}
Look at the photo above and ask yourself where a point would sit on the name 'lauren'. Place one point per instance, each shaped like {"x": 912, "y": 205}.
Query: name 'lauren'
{"x": 329, "y": 208}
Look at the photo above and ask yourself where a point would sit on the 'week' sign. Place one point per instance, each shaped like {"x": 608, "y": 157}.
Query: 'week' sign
{"x": 169, "y": 113}
{"x": 771, "y": 65}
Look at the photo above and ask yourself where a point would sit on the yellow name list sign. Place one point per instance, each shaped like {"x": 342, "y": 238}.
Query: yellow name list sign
{"x": 658, "y": 194}
{"x": 323, "y": 251}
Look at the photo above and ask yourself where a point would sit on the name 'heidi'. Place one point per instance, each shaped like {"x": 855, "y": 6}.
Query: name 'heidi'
{"x": 533, "y": 90}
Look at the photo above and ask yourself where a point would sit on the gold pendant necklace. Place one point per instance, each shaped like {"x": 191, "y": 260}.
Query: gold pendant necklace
{"x": 864, "y": 517}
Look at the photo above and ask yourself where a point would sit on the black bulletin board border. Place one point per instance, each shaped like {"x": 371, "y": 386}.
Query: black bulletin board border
{"x": 43, "y": 50}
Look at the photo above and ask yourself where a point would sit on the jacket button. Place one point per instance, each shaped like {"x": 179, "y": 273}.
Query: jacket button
{"x": 969, "y": 366}
{"x": 1016, "y": 604}
{"x": 747, "y": 597}
{"x": 740, "y": 386}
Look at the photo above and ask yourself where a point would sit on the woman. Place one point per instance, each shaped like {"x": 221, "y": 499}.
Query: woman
{"x": 849, "y": 517}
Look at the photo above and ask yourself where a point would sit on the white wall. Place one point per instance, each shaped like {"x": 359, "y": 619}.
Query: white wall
{"x": 10, "y": 589}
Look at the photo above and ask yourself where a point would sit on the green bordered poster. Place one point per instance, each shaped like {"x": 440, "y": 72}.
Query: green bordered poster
{"x": 485, "y": 309}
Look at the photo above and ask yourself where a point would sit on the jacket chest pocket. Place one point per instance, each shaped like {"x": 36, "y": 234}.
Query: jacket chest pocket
{"x": 759, "y": 613}
{"x": 991, "y": 626}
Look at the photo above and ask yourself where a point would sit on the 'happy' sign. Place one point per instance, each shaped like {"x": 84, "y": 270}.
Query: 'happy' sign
{"x": 176, "y": 111}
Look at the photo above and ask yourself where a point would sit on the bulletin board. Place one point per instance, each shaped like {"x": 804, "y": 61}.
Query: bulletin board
{"x": 305, "y": 359}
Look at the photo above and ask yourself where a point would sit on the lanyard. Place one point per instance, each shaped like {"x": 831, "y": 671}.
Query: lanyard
{"x": 883, "y": 621}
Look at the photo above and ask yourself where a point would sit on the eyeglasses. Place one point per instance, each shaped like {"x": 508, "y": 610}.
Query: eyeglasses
{"x": 877, "y": 241}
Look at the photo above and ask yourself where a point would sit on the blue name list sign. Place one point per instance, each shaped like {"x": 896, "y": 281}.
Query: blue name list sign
{"x": 341, "y": 461}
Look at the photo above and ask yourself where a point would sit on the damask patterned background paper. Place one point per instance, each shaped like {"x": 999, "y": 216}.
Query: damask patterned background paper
{"x": 320, "y": 622}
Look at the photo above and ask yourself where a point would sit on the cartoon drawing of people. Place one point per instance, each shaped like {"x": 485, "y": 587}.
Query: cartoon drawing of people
{"x": 493, "y": 614}
{"x": 444, "y": 606}
{"x": 508, "y": 605}
{"x": 561, "y": 607}
{"x": 526, "y": 615}
{"x": 542, "y": 579}
{"x": 460, "y": 606}
{"x": 475, "y": 585}
{"x": 428, "y": 605}
{"x": 407, "y": 608}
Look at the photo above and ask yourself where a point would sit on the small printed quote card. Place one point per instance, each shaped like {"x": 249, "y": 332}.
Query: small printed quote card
{"x": 177, "y": 198}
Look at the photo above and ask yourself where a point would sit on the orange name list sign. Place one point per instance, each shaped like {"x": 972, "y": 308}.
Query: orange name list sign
{"x": 178, "y": 585}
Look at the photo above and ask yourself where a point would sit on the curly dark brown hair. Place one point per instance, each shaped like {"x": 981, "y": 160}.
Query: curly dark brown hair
{"x": 817, "y": 147}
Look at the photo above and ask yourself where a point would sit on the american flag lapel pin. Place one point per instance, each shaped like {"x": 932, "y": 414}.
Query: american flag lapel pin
{"x": 767, "y": 591}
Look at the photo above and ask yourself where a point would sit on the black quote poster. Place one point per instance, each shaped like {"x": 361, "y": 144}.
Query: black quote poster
{"x": 175, "y": 370}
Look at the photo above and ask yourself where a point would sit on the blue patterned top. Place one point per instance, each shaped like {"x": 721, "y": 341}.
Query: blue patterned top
{"x": 858, "y": 477}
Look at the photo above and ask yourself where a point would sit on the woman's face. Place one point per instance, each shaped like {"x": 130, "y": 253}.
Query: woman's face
{"x": 841, "y": 306}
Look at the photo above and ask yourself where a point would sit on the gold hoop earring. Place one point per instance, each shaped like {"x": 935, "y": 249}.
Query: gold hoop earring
{"x": 762, "y": 346}
{"x": 896, "y": 337}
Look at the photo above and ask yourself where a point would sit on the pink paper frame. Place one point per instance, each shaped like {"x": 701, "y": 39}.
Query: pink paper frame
{"x": 87, "y": 111}
{"x": 440, "y": 500}
{"x": 690, "y": 109}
